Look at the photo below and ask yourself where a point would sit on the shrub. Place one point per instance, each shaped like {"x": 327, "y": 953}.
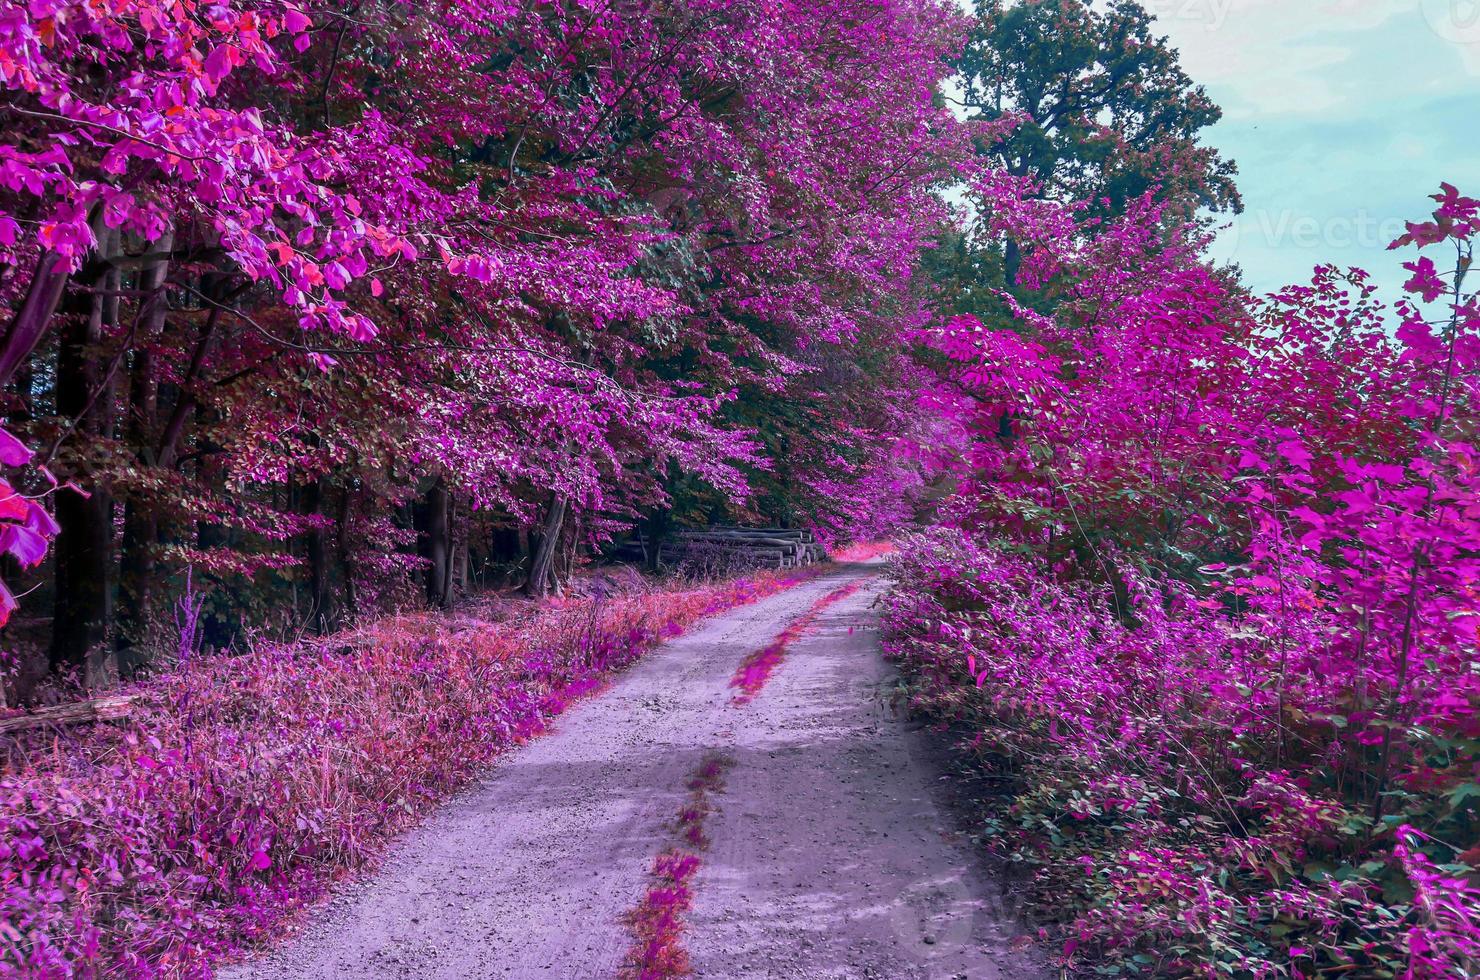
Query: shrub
{"x": 1182, "y": 816}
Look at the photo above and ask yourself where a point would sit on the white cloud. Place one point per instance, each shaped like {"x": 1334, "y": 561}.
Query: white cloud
{"x": 1259, "y": 57}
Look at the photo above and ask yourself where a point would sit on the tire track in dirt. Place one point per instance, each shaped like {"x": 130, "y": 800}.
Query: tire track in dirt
{"x": 827, "y": 855}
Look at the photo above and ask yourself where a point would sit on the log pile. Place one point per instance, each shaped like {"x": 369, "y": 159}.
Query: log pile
{"x": 730, "y": 548}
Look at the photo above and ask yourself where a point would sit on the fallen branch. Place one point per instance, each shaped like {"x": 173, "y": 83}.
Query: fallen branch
{"x": 77, "y": 713}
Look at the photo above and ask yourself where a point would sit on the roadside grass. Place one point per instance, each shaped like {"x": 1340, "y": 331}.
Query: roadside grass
{"x": 242, "y": 786}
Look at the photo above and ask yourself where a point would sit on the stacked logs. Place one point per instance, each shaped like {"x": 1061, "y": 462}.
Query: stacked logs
{"x": 725, "y": 548}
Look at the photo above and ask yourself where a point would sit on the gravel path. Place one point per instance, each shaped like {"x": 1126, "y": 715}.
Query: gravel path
{"x": 831, "y": 854}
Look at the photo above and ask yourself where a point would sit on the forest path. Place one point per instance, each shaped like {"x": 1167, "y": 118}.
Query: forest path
{"x": 830, "y": 853}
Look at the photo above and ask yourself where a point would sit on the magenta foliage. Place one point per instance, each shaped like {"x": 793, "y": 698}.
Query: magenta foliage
{"x": 164, "y": 139}
{"x": 26, "y": 527}
{"x": 657, "y": 924}
{"x": 1446, "y": 940}
{"x": 1208, "y": 597}
{"x": 601, "y": 227}
{"x": 756, "y": 669}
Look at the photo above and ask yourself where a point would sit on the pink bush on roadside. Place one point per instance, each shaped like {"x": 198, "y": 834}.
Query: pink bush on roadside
{"x": 1206, "y": 602}
{"x": 1166, "y": 834}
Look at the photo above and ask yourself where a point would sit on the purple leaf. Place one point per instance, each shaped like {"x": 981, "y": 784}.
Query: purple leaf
{"x": 13, "y": 452}
{"x": 27, "y": 546}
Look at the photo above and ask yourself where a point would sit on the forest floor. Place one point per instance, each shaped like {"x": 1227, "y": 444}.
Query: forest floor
{"x": 811, "y": 821}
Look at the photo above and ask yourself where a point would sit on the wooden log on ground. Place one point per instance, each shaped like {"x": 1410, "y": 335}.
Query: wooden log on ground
{"x": 762, "y": 530}
{"x": 737, "y": 541}
{"x": 681, "y": 548}
{"x": 78, "y": 713}
{"x": 790, "y": 547}
{"x": 769, "y": 557}
{"x": 801, "y": 533}
{"x": 737, "y": 532}
{"x": 798, "y": 544}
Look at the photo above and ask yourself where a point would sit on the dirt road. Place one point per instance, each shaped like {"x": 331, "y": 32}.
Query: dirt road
{"x": 826, "y": 850}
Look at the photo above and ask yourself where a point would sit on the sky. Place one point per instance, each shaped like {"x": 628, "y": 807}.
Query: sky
{"x": 1342, "y": 115}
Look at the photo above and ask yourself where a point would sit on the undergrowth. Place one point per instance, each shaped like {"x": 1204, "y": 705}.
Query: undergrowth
{"x": 1167, "y": 828}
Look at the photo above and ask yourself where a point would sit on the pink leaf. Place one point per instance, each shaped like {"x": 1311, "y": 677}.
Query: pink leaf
{"x": 296, "y": 20}
{"x": 8, "y": 604}
{"x": 38, "y": 520}
{"x": 1295, "y": 453}
{"x": 12, "y": 505}
{"x": 218, "y": 62}
{"x": 13, "y": 452}
{"x": 28, "y": 547}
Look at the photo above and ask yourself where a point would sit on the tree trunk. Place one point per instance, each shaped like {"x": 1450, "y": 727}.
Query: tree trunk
{"x": 654, "y": 530}
{"x": 30, "y": 322}
{"x": 565, "y": 557}
{"x": 435, "y": 544}
{"x": 316, "y": 543}
{"x": 140, "y": 525}
{"x": 541, "y": 570}
{"x": 217, "y": 288}
{"x": 346, "y": 561}
{"x": 449, "y": 554}
{"x": 84, "y": 547}
{"x": 1012, "y": 261}
{"x": 218, "y": 627}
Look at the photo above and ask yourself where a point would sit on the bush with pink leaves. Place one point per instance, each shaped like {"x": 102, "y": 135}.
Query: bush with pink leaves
{"x": 1206, "y": 607}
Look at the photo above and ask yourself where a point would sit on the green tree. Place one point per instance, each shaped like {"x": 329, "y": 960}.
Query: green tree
{"x": 1108, "y": 111}
{"x": 1105, "y": 113}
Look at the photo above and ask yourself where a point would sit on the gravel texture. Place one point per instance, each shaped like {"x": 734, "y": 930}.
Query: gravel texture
{"x": 832, "y": 851}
